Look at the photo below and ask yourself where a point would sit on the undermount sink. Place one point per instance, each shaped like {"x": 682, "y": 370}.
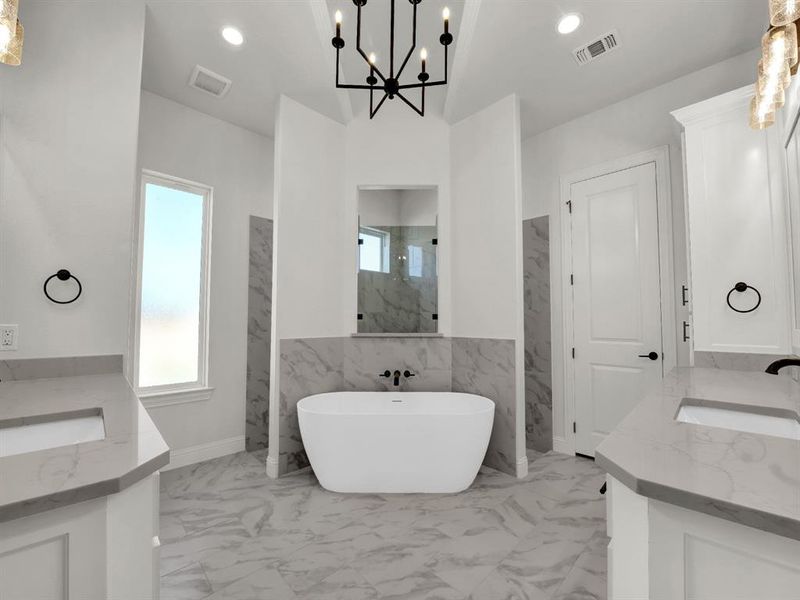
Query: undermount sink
{"x": 740, "y": 419}
{"x": 63, "y": 430}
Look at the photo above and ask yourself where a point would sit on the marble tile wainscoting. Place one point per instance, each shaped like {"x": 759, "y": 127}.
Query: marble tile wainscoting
{"x": 486, "y": 367}
{"x": 307, "y": 366}
{"x": 318, "y": 365}
{"x": 538, "y": 370}
{"x": 259, "y": 327}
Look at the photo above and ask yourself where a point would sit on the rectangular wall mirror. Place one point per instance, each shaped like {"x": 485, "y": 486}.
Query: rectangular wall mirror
{"x": 397, "y": 261}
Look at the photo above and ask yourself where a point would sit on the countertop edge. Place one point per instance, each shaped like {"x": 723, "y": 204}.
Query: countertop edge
{"x": 722, "y": 509}
{"x": 99, "y": 489}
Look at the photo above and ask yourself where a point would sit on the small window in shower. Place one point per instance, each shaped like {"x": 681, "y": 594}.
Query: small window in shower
{"x": 374, "y": 255}
{"x": 173, "y": 285}
{"x": 415, "y": 261}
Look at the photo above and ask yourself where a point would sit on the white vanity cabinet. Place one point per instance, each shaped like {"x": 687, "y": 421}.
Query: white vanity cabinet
{"x": 737, "y": 227}
{"x": 660, "y": 551}
{"x": 105, "y": 548}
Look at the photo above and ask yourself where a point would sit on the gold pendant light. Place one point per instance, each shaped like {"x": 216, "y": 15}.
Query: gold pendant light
{"x": 783, "y": 12}
{"x": 767, "y": 72}
{"x": 771, "y": 93}
{"x": 9, "y": 10}
{"x": 779, "y": 44}
{"x": 761, "y": 114}
{"x": 13, "y": 54}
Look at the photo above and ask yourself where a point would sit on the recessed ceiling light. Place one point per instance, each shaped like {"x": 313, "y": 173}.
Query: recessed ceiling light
{"x": 569, "y": 23}
{"x": 233, "y": 36}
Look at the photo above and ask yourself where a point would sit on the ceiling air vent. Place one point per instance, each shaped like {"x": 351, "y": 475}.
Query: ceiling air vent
{"x": 597, "y": 48}
{"x": 209, "y": 82}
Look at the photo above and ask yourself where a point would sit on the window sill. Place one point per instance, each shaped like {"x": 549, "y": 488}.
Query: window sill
{"x": 173, "y": 397}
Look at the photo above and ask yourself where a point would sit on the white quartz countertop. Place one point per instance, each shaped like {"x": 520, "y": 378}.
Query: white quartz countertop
{"x": 746, "y": 478}
{"x": 37, "y": 481}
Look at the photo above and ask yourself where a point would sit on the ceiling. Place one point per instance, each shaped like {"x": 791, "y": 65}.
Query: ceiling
{"x": 516, "y": 48}
{"x": 282, "y": 53}
{"x": 506, "y": 46}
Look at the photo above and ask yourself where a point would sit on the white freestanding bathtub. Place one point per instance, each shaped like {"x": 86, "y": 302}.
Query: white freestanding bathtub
{"x": 395, "y": 442}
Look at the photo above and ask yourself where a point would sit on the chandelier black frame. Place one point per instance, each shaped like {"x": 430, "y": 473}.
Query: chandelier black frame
{"x": 391, "y": 85}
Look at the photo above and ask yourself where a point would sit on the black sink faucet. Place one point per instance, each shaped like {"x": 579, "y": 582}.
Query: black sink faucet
{"x": 396, "y": 375}
{"x": 780, "y": 364}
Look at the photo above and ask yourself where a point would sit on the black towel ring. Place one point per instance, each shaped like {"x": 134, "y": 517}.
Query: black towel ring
{"x": 62, "y": 275}
{"x": 743, "y": 287}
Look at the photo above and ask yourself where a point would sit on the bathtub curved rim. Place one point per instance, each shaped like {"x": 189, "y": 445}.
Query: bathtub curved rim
{"x": 490, "y": 408}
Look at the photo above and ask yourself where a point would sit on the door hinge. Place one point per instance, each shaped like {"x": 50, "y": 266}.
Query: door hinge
{"x": 573, "y": 353}
{"x": 574, "y": 427}
{"x": 571, "y": 279}
{"x": 569, "y": 206}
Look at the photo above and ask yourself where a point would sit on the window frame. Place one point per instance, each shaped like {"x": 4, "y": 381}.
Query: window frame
{"x": 176, "y": 393}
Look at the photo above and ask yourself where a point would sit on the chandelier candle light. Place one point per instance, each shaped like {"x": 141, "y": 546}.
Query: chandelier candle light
{"x": 390, "y": 85}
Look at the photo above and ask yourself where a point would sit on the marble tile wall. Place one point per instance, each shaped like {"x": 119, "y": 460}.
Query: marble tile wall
{"x": 318, "y": 365}
{"x": 538, "y": 370}
{"x": 397, "y": 302}
{"x": 68, "y": 366}
{"x": 307, "y": 366}
{"x": 428, "y": 358}
{"x": 487, "y": 367}
{"x": 259, "y": 326}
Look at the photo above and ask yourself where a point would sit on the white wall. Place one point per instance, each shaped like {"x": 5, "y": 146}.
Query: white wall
{"x": 309, "y": 223}
{"x": 636, "y": 124}
{"x": 379, "y": 207}
{"x": 67, "y": 174}
{"x": 419, "y": 207}
{"x": 237, "y": 163}
{"x": 307, "y": 285}
{"x": 407, "y": 207}
{"x": 486, "y": 221}
{"x": 397, "y": 149}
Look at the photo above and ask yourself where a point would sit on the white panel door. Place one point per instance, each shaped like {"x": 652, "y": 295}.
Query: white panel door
{"x": 616, "y": 299}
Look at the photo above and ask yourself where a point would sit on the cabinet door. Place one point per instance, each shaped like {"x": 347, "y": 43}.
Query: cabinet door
{"x": 59, "y": 554}
{"x": 698, "y": 557}
{"x": 737, "y": 228}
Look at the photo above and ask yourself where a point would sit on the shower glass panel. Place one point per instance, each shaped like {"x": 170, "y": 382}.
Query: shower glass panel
{"x": 397, "y": 261}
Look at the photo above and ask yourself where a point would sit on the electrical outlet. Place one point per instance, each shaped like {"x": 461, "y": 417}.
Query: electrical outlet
{"x": 9, "y": 335}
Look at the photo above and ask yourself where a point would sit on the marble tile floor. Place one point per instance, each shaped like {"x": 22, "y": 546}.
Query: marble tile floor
{"x": 228, "y": 532}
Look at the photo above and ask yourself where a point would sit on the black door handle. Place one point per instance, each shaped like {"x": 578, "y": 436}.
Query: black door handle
{"x": 651, "y": 356}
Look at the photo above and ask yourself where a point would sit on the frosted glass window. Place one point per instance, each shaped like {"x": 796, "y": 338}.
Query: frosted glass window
{"x": 415, "y": 261}
{"x": 173, "y": 282}
{"x": 374, "y": 255}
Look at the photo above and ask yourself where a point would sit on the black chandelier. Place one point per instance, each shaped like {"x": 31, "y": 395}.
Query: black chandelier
{"x": 391, "y": 86}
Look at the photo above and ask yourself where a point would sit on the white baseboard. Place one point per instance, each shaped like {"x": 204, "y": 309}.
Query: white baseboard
{"x": 562, "y": 445}
{"x": 522, "y": 467}
{"x": 202, "y": 452}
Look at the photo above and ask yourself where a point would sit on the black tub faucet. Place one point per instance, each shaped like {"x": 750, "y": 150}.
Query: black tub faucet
{"x": 396, "y": 376}
{"x": 780, "y": 364}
